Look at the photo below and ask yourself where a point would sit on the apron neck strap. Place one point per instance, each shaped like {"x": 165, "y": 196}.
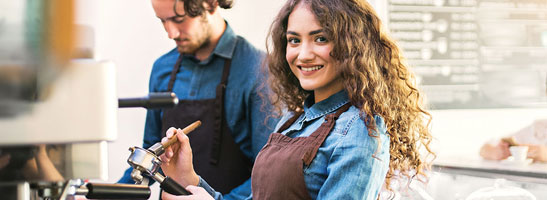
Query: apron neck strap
{"x": 176, "y": 69}
{"x": 174, "y": 72}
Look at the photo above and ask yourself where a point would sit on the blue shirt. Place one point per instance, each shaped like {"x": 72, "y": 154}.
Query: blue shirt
{"x": 245, "y": 111}
{"x": 344, "y": 167}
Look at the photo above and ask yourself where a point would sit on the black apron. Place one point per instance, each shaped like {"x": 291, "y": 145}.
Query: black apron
{"x": 216, "y": 156}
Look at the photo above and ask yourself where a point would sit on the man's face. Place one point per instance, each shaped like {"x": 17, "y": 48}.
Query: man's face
{"x": 189, "y": 33}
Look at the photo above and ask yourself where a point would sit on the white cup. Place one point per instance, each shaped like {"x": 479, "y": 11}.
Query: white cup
{"x": 519, "y": 153}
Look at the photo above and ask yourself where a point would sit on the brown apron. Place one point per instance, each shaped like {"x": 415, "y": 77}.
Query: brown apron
{"x": 278, "y": 172}
{"x": 216, "y": 156}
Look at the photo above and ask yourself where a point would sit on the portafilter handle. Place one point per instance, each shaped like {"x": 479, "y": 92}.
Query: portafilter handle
{"x": 147, "y": 161}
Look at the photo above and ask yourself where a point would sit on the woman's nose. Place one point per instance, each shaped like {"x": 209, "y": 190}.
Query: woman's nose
{"x": 306, "y": 52}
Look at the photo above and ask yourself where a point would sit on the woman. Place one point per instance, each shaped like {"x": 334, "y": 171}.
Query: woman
{"x": 353, "y": 116}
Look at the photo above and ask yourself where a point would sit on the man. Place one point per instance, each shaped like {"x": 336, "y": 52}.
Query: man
{"x": 215, "y": 74}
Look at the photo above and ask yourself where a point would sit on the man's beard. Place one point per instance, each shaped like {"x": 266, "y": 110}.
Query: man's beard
{"x": 192, "y": 48}
{"x": 202, "y": 41}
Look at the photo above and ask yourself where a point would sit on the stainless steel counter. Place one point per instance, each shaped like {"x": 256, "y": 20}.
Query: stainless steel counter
{"x": 475, "y": 166}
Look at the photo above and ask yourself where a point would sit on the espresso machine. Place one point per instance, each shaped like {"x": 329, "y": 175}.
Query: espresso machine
{"x": 58, "y": 110}
{"x": 58, "y": 107}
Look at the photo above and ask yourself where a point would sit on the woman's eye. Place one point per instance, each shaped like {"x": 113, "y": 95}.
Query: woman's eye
{"x": 293, "y": 41}
{"x": 321, "y": 39}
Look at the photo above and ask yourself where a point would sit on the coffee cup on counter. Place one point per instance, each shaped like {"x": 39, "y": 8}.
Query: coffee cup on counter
{"x": 519, "y": 153}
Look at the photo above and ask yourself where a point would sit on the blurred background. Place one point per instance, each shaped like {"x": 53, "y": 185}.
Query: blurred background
{"x": 481, "y": 63}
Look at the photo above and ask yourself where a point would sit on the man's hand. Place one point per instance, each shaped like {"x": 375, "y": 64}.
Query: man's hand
{"x": 177, "y": 159}
{"x": 197, "y": 193}
{"x": 498, "y": 151}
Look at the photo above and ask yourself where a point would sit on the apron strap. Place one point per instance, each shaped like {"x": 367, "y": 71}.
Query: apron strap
{"x": 220, "y": 93}
{"x": 220, "y": 119}
{"x": 322, "y": 132}
{"x": 174, "y": 72}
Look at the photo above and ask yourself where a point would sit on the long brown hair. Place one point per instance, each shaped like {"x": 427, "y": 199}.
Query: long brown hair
{"x": 375, "y": 76}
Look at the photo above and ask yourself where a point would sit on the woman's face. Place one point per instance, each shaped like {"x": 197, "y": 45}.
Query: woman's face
{"x": 308, "y": 54}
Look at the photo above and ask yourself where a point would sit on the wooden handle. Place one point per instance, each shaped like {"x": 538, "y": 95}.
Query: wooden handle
{"x": 186, "y": 130}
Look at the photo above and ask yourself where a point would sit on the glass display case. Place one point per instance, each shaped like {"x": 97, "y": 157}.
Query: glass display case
{"x": 460, "y": 178}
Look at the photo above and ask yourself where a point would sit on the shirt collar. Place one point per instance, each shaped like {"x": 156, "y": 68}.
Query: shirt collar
{"x": 313, "y": 111}
{"x": 227, "y": 43}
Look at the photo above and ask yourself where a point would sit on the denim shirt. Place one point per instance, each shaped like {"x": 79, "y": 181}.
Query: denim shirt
{"x": 344, "y": 167}
{"x": 245, "y": 111}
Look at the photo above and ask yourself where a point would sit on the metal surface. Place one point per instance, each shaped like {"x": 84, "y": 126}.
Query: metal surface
{"x": 152, "y": 101}
{"x": 143, "y": 160}
{"x": 533, "y": 173}
{"x": 59, "y": 162}
{"x": 147, "y": 161}
{"x": 56, "y": 112}
{"x": 16, "y": 191}
{"x": 81, "y": 107}
{"x": 50, "y": 171}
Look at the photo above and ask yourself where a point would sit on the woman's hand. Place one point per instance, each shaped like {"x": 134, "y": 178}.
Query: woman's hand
{"x": 498, "y": 151}
{"x": 177, "y": 159}
{"x": 197, "y": 193}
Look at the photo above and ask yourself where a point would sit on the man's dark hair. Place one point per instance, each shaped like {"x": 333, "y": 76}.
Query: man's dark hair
{"x": 195, "y": 8}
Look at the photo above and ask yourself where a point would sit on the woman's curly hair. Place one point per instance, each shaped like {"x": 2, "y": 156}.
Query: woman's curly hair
{"x": 374, "y": 74}
{"x": 195, "y": 8}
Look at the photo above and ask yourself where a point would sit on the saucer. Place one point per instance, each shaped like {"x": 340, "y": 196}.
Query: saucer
{"x": 511, "y": 161}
